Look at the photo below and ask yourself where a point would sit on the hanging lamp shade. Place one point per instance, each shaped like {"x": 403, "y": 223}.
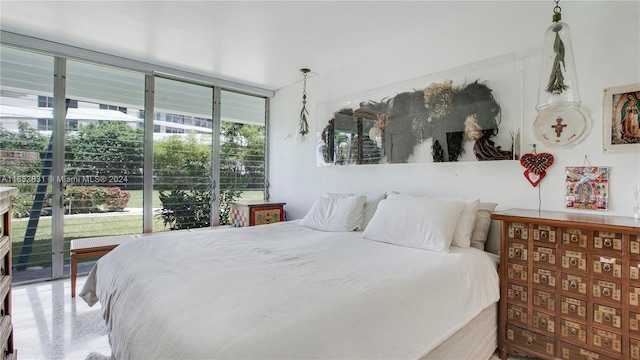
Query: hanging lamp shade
{"x": 558, "y": 80}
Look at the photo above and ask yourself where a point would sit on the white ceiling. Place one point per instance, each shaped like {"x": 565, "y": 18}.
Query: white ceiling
{"x": 257, "y": 43}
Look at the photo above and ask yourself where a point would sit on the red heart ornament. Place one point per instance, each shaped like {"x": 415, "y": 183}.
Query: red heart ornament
{"x": 535, "y": 165}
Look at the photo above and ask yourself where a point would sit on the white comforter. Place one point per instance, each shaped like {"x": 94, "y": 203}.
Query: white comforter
{"x": 284, "y": 291}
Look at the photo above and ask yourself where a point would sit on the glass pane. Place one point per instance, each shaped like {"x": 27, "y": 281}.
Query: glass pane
{"x": 182, "y": 144}
{"x": 242, "y": 149}
{"x": 104, "y": 149}
{"x": 26, "y": 88}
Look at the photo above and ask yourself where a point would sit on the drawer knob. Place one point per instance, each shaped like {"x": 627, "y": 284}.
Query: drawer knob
{"x": 517, "y": 230}
{"x": 573, "y": 261}
{"x": 572, "y": 308}
{"x": 608, "y": 242}
{"x": 606, "y": 267}
{"x": 529, "y": 341}
{"x": 516, "y": 294}
{"x": 606, "y": 342}
{"x": 517, "y": 252}
{"x": 606, "y": 292}
{"x": 607, "y": 317}
{"x": 543, "y": 234}
{"x": 543, "y": 300}
{"x": 517, "y": 272}
{"x": 543, "y": 322}
{"x": 574, "y": 238}
{"x": 543, "y": 278}
{"x": 516, "y": 315}
{"x": 573, "y": 284}
{"x": 543, "y": 257}
{"x": 573, "y": 331}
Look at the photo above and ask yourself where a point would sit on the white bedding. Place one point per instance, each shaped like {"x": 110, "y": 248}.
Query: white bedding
{"x": 285, "y": 291}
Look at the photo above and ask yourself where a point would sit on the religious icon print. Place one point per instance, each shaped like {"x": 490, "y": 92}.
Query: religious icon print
{"x": 587, "y": 187}
{"x": 621, "y": 115}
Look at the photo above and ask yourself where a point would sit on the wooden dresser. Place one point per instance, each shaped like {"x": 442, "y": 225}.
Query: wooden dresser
{"x": 6, "y": 327}
{"x": 255, "y": 212}
{"x": 570, "y": 285}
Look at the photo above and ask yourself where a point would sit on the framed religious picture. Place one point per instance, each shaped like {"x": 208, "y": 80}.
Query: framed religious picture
{"x": 587, "y": 187}
{"x": 621, "y": 125}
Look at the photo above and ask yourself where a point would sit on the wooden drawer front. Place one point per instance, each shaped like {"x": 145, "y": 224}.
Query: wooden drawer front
{"x": 634, "y": 323}
{"x": 575, "y": 237}
{"x": 634, "y": 349}
{"x": 544, "y": 233}
{"x": 531, "y": 340}
{"x": 608, "y": 316}
{"x": 544, "y": 322}
{"x": 610, "y": 241}
{"x": 606, "y": 290}
{"x": 517, "y": 314}
{"x": 517, "y": 294}
{"x": 634, "y": 245}
{"x": 517, "y": 251}
{"x": 634, "y": 271}
{"x": 518, "y": 231}
{"x": 544, "y": 277}
{"x": 574, "y": 260}
{"x": 607, "y": 341}
{"x": 5, "y": 246}
{"x": 607, "y": 267}
{"x": 574, "y": 308}
{"x": 266, "y": 216}
{"x": 573, "y": 331}
{"x": 572, "y": 352}
{"x": 516, "y": 272}
{"x": 544, "y": 300}
{"x": 634, "y": 296}
{"x": 574, "y": 284}
{"x": 544, "y": 255}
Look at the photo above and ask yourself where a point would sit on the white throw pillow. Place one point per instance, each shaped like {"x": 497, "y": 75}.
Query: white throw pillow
{"x": 483, "y": 222}
{"x": 416, "y": 222}
{"x": 464, "y": 227}
{"x": 370, "y": 205}
{"x": 338, "y": 214}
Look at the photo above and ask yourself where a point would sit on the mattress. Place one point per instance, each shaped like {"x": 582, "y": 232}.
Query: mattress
{"x": 287, "y": 292}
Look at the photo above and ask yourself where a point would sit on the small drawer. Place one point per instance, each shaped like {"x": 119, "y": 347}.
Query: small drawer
{"x": 574, "y": 260}
{"x": 531, "y": 340}
{"x": 607, "y": 267}
{"x": 572, "y": 352}
{"x": 544, "y": 300}
{"x": 574, "y": 308}
{"x": 544, "y": 322}
{"x": 517, "y": 314}
{"x": 543, "y": 233}
{"x": 574, "y": 331}
{"x": 607, "y": 290}
{"x": 517, "y": 294}
{"x": 574, "y": 284}
{"x": 603, "y": 240}
{"x": 634, "y": 245}
{"x": 634, "y": 296}
{"x": 544, "y": 277}
{"x": 517, "y": 251}
{"x": 575, "y": 237}
{"x": 634, "y": 349}
{"x": 634, "y": 323}
{"x": 634, "y": 271}
{"x": 604, "y": 340}
{"x": 608, "y": 316}
{"x": 518, "y": 231}
{"x": 516, "y": 272}
{"x": 544, "y": 255}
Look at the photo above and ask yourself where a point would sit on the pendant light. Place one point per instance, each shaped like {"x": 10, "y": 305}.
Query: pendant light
{"x": 558, "y": 80}
{"x": 303, "y": 124}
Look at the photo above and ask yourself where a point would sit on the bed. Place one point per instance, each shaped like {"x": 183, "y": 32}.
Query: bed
{"x": 291, "y": 291}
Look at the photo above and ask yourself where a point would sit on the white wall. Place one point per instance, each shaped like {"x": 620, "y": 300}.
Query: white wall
{"x": 606, "y": 44}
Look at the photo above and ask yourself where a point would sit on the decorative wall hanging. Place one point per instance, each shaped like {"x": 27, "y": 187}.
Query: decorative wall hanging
{"x": 587, "y": 187}
{"x": 535, "y": 166}
{"x": 621, "y": 124}
{"x": 437, "y": 118}
{"x": 561, "y": 122}
{"x": 303, "y": 125}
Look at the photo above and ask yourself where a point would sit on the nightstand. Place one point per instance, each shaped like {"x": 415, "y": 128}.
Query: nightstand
{"x": 255, "y": 212}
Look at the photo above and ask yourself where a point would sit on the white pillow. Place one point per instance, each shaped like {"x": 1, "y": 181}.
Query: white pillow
{"x": 483, "y": 222}
{"x": 343, "y": 214}
{"x": 464, "y": 227}
{"x": 370, "y": 205}
{"x": 416, "y": 222}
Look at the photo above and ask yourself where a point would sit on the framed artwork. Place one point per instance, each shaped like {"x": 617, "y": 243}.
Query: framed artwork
{"x": 587, "y": 187}
{"x": 621, "y": 132}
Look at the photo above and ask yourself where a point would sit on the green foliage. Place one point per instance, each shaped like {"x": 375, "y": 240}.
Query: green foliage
{"x": 242, "y": 156}
{"x": 27, "y": 139}
{"x": 22, "y": 152}
{"x": 182, "y": 164}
